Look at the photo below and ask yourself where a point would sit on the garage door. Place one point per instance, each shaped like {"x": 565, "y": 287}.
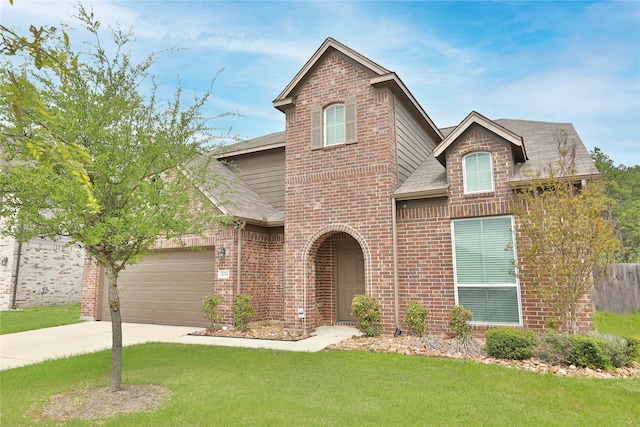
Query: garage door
{"x": 166, "y": 288}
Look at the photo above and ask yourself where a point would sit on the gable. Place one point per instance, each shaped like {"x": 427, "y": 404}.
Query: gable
{"x": 516, "y": 141}
{"x": 380, "y": 78}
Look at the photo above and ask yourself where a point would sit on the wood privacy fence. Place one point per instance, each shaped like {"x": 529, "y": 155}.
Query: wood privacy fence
{"x": 620, "y": 291}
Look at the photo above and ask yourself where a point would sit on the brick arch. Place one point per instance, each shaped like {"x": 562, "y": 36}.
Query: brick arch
{"x": 310, "y": 251}
{"x": 316, "y": 239}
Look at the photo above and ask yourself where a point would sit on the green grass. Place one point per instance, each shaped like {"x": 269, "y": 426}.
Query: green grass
{"x": 622, "y": 325}
{"x": 38, "y": 318}
{"x": 247, "y": 387}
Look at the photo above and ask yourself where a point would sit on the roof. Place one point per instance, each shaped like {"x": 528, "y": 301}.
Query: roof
{"x": 541, "y": 139}
{"x": 381, "y": 77}
{"x": 517, "y": 144}
{"x": 542, "y": 148}
{"x": 267, "y": 142}
{"x": 235, "y": 197}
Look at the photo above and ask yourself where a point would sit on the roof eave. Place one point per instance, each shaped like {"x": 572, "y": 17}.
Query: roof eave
{"x": 251, "y": 150}
{"x": 477, "y": 118}
{"x": 521, "y": 183}
{"x": 423, "y": 194}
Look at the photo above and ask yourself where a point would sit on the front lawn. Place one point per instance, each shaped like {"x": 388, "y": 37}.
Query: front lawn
{"x": 622, "y": 325}
{"x": 236, "y": 387}
{"x": 38, "y": 317}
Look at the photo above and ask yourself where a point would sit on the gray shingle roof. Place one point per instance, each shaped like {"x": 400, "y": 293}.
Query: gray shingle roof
{"x": 540, "y": 140}
{"x": 255, "y": 144}
{"x": 227, "y": 191}
{"x": 428, "y": 180}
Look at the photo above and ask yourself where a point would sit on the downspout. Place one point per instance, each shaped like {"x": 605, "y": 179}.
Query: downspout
{"x": 396, "y": 292}
{"x": 16, "y": 273}
{"x": 239, "y": 261}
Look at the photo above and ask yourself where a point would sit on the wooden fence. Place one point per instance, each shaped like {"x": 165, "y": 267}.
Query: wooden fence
{"x": 620, "y": 292}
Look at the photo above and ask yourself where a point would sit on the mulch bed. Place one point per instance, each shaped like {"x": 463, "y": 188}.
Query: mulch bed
{"x": 263, "y": 331}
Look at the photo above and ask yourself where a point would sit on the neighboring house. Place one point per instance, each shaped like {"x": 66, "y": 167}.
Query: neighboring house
{"x": 362, "y": 194}
{"x": 39, "y": 272}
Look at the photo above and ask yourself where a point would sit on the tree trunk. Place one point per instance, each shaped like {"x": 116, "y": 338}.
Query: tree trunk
{"x": 116, "y": 331}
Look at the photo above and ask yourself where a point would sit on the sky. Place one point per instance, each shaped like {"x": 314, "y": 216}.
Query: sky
{"x": 563, "y": 61}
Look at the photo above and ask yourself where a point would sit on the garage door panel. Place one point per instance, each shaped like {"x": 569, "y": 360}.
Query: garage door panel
{"x": 166, "y": 288}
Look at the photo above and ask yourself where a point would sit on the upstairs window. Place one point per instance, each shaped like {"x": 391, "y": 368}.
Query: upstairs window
{"x": 334, "y": 125}
{"x": 477, "y": 172}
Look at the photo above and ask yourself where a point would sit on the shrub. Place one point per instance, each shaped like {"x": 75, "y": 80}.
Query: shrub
{"x": 367, "y": 312}
{"x": 211, "y": 311}
{"x": 243, "y": 311}
{"x": 510, "y": 343}
{"x": 621, "y": 351}
{"x": 415, "y": 317}
{"x": 458, "y": 320}
{"x": 555, "y": 348}
{"x": 591, "y": 351}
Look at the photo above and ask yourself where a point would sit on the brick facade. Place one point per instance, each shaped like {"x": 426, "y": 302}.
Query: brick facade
{"x": 345, "y": 193}
{"x": 349, "y": 185}
{"x": 48, "y": 273}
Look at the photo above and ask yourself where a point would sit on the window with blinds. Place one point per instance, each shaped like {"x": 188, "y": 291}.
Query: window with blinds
{"x": 334, "y": 125}
{"x": 484, "y": 253}
{"x": 478, "y": 172}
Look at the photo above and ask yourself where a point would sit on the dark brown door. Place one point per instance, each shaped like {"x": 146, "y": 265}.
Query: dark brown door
{"x": 350, "y": 274}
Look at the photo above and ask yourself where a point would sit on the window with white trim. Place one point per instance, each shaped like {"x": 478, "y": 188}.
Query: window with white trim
{"x": 334, "y": 125}
{"x": 477, "y": 172}
{"x": 484, "y": 254}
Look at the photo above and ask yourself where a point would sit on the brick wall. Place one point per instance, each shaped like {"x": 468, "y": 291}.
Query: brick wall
{"x": 424, "y": 236}
{"x": 50, "y": 274}
{"x": 342, "y": 188}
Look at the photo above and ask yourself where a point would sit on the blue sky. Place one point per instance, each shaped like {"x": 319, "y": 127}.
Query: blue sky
{"x": 575, "y": 61}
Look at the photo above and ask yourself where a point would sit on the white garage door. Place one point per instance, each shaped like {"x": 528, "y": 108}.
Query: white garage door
{"x": 166, "y": 288}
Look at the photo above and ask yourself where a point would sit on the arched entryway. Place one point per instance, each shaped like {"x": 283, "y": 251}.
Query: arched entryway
{"x": 336, "y": 271}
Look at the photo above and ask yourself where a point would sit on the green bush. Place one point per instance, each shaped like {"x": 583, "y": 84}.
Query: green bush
{"x": 621, "y": 351}
{"x": 459, "y": 318}
{"x": 243, "y": 311}
{"x": 589, "y": 352}
{"x": 510, "y": 343}
{"x": 368, "y": 315}
{"x": 592, "y": 351}
{"x": 555, "y": 347}
{"x": 415, "y": 317}
{"x": 211, "y": 311}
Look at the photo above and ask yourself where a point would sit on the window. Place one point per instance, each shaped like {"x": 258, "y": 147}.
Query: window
{"x": 484, "y": 253}
{"x": 478, "y": 172}
{"x": 334, "y": 125}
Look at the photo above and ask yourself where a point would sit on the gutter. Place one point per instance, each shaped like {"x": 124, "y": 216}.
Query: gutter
{"x": 396, "y": 292}
{"x": 239, "y": 263}
{"x": 16, "y": 274}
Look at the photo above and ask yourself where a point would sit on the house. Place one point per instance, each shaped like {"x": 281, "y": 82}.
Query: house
{"x": 39, "y": 272}
{"x": 361, "y": 194}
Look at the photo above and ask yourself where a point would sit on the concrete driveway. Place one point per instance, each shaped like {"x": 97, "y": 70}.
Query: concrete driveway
{"x": 26, "y": 348}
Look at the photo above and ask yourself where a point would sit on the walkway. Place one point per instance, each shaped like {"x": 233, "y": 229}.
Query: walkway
{"x": 25, "y": 348}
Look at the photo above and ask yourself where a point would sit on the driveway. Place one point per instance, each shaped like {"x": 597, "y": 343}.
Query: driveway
{"x": 26, "y": 348}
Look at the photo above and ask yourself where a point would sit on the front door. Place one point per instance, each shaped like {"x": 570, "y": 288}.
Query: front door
{"x": 350, "y": 274}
